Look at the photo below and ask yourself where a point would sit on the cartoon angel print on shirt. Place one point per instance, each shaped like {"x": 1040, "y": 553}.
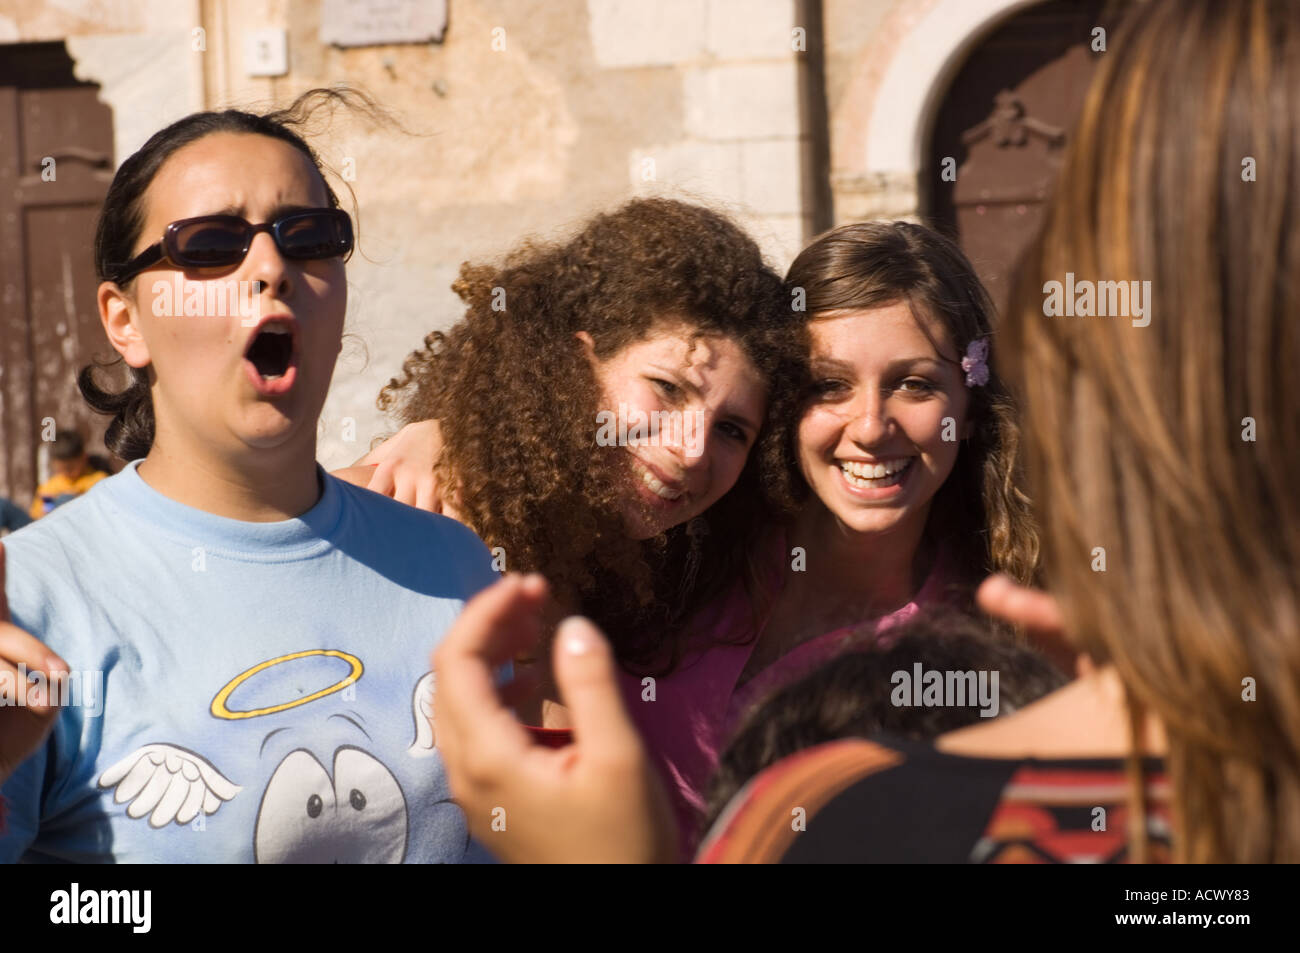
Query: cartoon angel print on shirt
{"x": 168, "y": 783}
{"x": 356, "y": 816}
{"x": 344, "y": 806}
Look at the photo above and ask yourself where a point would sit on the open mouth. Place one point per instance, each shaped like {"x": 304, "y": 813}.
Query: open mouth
{"x": 271, "y": 351}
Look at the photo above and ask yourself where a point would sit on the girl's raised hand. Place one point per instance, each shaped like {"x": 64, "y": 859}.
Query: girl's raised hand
{"x": 596, "y": 800}
{"x": 27, "y": 715}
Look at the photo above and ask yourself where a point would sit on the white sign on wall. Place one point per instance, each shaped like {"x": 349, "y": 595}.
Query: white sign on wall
{"x": 378, "y": 22}
{"x": 266, "y": 52}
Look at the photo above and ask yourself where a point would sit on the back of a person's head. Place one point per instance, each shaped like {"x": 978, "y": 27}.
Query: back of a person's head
{"x": 869, "y": 689}
{"x": 1163, "y": 442}
{"x": 67, "y": 445}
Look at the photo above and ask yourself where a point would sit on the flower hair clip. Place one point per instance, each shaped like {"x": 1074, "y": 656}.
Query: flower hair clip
{"x": 976, "y": 363}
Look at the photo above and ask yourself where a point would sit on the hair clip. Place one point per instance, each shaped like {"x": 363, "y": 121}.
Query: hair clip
{"x": 975, "y": 363}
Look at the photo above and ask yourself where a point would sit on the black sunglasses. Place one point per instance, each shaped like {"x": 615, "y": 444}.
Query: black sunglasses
{"x": 222, "y": 241}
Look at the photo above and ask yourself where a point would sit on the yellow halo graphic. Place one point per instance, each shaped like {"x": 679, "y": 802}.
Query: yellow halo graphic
{"x": 219, "y": 709}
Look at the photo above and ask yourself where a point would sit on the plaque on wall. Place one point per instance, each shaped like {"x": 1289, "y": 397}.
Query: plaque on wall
{"x": 380, "y": 22}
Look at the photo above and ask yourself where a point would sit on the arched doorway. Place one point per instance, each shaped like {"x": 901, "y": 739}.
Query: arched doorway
{"x": 1002, "y": 125}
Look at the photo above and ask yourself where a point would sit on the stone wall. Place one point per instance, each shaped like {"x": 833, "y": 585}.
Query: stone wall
{"x": 528, "y": 116}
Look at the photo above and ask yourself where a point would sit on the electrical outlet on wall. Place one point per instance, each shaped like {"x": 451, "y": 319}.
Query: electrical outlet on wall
{"x": 266, "y": 52}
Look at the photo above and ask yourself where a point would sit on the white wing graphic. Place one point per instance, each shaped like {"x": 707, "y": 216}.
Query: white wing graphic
{"x": 167, "y": 783}
{"x": 422, "y": 712}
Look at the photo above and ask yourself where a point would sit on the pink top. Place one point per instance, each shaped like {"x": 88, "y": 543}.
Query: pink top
{"x": 694, "y": 709}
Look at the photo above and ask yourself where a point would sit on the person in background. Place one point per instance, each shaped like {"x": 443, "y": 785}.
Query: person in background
{"x": 12, "y": 516}
{"x": 71, "y": 473}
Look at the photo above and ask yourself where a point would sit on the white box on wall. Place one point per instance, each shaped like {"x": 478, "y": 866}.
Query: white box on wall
{"x": 266, "y": 52}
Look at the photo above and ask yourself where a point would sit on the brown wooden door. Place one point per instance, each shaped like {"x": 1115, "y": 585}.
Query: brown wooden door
{"x": 1005, "y": 120}
{"x": 49, "y": 327}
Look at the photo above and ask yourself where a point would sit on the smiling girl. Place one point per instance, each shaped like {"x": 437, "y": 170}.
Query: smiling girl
{"x": 901, "y": 470}
{"x": 657, "y": 308}
{"x": 260, "y": 626}
{"x": 898, "y": 473}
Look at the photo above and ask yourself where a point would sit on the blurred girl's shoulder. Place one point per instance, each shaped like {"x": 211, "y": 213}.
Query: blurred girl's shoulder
{"x": 800, "y": 798}
{"x": 888, "y": 800}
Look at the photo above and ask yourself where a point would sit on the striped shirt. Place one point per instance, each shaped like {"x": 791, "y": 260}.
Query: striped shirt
{"x": 895, "y": 801}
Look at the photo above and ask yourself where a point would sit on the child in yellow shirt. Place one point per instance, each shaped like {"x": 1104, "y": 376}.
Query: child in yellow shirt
{"x": 73, "y": 475}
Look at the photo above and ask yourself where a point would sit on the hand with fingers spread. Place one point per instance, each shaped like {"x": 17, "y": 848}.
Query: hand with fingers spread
{"x": 1037, "y": 612}
{"x": 28, "y": 715}
{"x": 596, "y": 800}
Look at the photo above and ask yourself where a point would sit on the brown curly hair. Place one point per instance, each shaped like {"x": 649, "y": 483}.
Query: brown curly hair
{"x": 516, "y": 398}
{"x": 980, "y": 514}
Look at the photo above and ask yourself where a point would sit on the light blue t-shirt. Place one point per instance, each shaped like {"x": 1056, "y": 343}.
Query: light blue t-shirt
{"x": 265, "y": 686}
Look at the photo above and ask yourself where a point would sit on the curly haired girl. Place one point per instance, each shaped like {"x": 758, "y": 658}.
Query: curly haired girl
{"x": 659, "y": 308}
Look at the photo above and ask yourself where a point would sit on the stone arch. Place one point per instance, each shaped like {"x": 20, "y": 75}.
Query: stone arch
{"x": 879, "y": 131}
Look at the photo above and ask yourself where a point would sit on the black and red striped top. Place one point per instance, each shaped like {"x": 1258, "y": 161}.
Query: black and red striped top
{"x": 895, "y": 801}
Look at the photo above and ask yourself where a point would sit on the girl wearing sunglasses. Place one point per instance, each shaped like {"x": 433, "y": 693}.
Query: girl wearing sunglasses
{"x": 245, "y": 636}
{"x": 223, "y": 241}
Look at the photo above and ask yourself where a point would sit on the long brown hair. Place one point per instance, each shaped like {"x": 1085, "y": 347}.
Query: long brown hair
{"x": 1171, "y": 449}
{"x": 980, "y": 514}
{"x": 517, "y": 400}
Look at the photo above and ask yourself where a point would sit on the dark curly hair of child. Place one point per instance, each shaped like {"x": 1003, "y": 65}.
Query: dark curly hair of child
{"x": 850, "y": 696}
